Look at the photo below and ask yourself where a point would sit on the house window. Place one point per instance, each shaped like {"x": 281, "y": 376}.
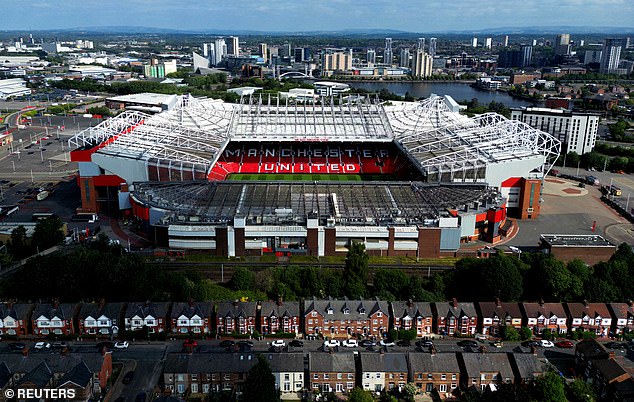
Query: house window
{"x": 180, "y": 388}
{"x": 326, "y": 376}
{"x": 339, "y": 376}
{"x": 443, "y": 377}
{"x": 350, "y": 376}
{"x": 453, "y": 376}
{"x": 194, "y": 388}
{"x": 287, "y": 377}
{"x": 442, "y": 388}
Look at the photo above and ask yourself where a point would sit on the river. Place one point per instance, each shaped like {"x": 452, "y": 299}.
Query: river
{"x": 457, "y": 90}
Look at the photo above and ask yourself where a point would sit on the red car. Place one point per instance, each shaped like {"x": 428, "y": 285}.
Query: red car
{"x": 190, "y": 343}
{"x": 564, "y": 344}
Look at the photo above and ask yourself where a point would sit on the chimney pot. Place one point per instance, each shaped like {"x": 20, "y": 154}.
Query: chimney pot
{"x": 454, "y": 302}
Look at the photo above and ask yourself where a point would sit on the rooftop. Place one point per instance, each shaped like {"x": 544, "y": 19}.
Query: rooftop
{"x": 564, "y": 240}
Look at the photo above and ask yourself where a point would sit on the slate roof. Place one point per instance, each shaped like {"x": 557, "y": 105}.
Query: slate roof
{"x": 63, "y": 311}
{"x": 610, "y": 369}
{"x": 285, "y": 309}
{"x": 357, "y": 309}
{"x": 458, "y": 310}
{"x": 526, "y": 366}
{"x": 402, "y": 309}
{"x": 209, "y": 363}
{"x": 285, "y": 362}
{"x": 534, "y": 310}
{"x": 321, "y": 362}
{"x": 40, "y": 376}
{"x": 202, "y": 309}
{"x": 476, "y": 363}
{"x": 500, "y": 309}
{"x": 58, "y": 363}
{"x": 96, "y": 310}
{"x": 234, "y": 310}
{"x": 593, "y": 310}
{"x": 80, "y": 375}
{"x": 145, "y": 309}
{"x": 622, "y": 310}
{"x": 434, "y": 363}
{"x": 591, "y": 349}
{"x": 17, "y": 311}
{"x": 5, "y": 374}
{"x": 384, "y": 362}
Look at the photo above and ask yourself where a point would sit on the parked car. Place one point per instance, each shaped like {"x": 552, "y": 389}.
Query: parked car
{"x": 296, "y": 343}
{"x": 528, "y": 344}
{"x": 366, "y": 343}
{"x": 404, "y": 342}
{"x": 42, "y": 345}
{"x": 351, "y": 343}
{"x": 190, "y": 343}
{"x": 127, "y": 378}
{"x": 424, "y": 343}
{"x": 121, "y": 345}
{"x": 616, "y": 345}
{"x": 17, "y": 346}
{"x": 227, "y": 343}
{"x": 59, "y": 345}
{"x": 245, "y": 346}
{"x": 331, "y": 343}
{"x": 278, "y": 343}
{"x": 386, "y": 342}
{"x": 545, "y": 343}
{"x": 468, "y": 343}
{"x": 497, "y": 344}
{"x": 565, "y": 344}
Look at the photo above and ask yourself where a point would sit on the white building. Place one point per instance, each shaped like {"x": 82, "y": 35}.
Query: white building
{"x": 336, "y": 60}
{"x": 611, "y": 55}
{"x": 488, "y": 43}
{"x": 577, "y": 130}
{"x": 13, "y": 87}
{"x": 422, "y": 64}
{"x": 328, "y": 88}
{"x": 288, "y": 370}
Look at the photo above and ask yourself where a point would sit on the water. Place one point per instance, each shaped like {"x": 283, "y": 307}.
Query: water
{"x": 458, "y": 91}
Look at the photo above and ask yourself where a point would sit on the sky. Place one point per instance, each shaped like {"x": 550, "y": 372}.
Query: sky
{"x": 329, "y": 15}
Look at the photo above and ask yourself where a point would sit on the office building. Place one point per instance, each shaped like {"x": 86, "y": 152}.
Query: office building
{"x": 432, "y": 46}
{"x": 205, "y": 50}
{"x": 421, "y": 64}
{"x": 592, "y": 56}
{"x": 506, "y": 40}
{"x": 516, "y": 58}
{"x": 262, "y": 51}
{"x": 562, "y": 45}
{"x": 404, "y": 58}
{"x": 576, "y": 131}
{"x": 301, "y": 54}
{"x": 420, "y": 45}
{"x": 285, "y": 50}
{"x": 370, "y": 56}
{"x": 220, "y": 50}
{"x": 158, "y": 69}
{"x": 233, "y": 47}
{"x": 488, "y": 43}
{"x": 388, "y": 56}
{"x": 474, "y": 42}
{"x": 335, "y": 60}
{"x": 610, "y": 56}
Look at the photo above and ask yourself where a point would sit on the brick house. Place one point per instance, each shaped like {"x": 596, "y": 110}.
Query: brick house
{"x": 381, "y": 371}
{"x": 409, "y": 314}
{"x": 435, "y": 371}
{"x": 594, "y": 317}
{"x": 331, "y": 372}
{"x": 622, "y": 317}
{"x": 101, "y": 319}
{"x": 453, "y": 318}
{"x": 55, "y": 318}
{"x": 526, "y": 367}
{"x": 344, "y": 318}
{"x": 236, "y": 317}
{"x": 279, "y": 316}
{"x": 14, "y": 318}
{"x": 610, "y": 375}
{"x": 482, "y": 370}
{"x": 541, "y": 316}
{"x": 191, "y": 318}
{"x": 152, "y": 316}
{"x": 494, "y": 315}
{"x": 196, "y": 375}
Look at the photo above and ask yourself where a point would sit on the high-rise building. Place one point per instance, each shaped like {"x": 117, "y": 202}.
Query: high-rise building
{"x": 592, "y": 56}
{"x": 388, "y": 56}
{"x": 285, "y": 50}
{"x": 534, "y": 42}
{"x": 233, "y": 47}
{"x": 526, "y": 55}
{"x": 370, "y": 56}
{"x": 628, "y": 42}
{"x": 488, "y": 43}
{"x": 301, "y": 54}
{"x": 220, "y": 50}
{"x": 610, "y": 55}
{"x": 404, "y": 58}
{"x": 474, "y": 42}
{"x": 516, "y": 58}
{"x": 420, "y": 45}
{"x": 263, "y": 51}
{"x": 562, "y": 45}
{"x": 432, "y": 46}
{"x": 205, "y": 49}
{"x": 335, "y": 60}
{"x": 422, "y": 64}
{"x": 506, "y": 40}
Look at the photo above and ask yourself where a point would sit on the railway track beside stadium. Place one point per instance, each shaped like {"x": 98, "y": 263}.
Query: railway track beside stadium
{"x": 222, "y": 271}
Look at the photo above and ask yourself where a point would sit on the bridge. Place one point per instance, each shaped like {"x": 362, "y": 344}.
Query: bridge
{"x": 295, "y": 75}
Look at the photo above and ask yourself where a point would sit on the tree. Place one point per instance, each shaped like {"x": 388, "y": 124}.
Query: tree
{"x": 242, "y": 279}
{"x": 359, "y": 395}
{"x": 48, "y": 233}
{"x": 509, "y": 333}
{"x": 391, "y": 284}
{"x": 549, "y": 388}
{"x": 580, "y": 391}
{"x": 525, "y": 333}
{"x": 18, "y": 245}
{"x": 355, "y": 273}
{"x": 260, "y": 383}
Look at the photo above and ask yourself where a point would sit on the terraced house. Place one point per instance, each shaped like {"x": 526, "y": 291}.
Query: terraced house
{"x": 438, "y": 372}
{"x": 411, "y": 314}
{"x": 331, "y": 372}
{"x": 236, "y": 317}
{"x": 541, "y": 316}
{"x": 344, "y": 318}
{"x": 14, "y": 318}
{"x": 594, "y": 317}
{"x": 279, "y": 316}
{"x": 381, "y": 371}
{"x": 146, "y": 315}
{"x": 101, "y": 319}
{"x": 622, "y": 317}
{"x": 191, "y": 318}
{"x": 53, "y": 318}
{"x": 456, "y": 318}
{"x": 494, "y": 315}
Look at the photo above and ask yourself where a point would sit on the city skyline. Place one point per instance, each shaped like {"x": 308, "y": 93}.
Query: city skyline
{"x": 284, "y": 15}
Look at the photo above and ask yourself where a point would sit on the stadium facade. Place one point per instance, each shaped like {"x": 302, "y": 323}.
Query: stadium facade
{"x": 431, "y": 178}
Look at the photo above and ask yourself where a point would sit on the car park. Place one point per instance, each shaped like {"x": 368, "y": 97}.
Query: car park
{"x": 350, "y": 343}
{"x": 331, "y": 343}
{"x": 121, "y": 345}
{"x": 278, "y": 343}
{"x": 564, "y": 344}
{"x": 545, "y": 343}
{"x": 42, "y": 345}
{"x": 296, "y": 343}
{"x": 468, "y": 343}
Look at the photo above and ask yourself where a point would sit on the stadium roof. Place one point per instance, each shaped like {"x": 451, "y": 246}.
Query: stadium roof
{"x": 438, "y": 139}
{"x": 292, "y": 203}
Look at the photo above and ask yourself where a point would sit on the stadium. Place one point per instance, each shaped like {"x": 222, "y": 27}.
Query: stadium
{"x": 267, "y": 175}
